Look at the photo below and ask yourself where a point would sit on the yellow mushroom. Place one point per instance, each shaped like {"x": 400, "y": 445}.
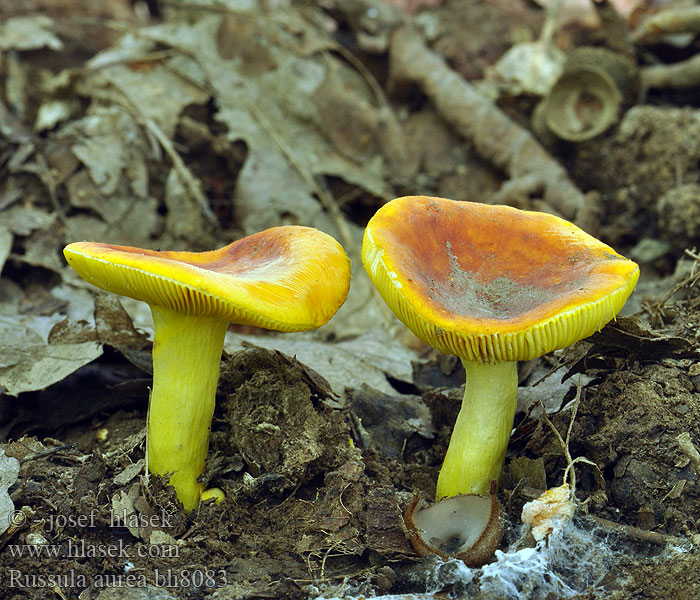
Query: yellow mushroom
{"x": 491, "y": 285}
{"x": 286, "y": 278}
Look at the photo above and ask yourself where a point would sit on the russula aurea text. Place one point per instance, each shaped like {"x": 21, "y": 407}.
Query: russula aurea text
{"x": 287, "y": 279}
{"x": 491, "y": 285}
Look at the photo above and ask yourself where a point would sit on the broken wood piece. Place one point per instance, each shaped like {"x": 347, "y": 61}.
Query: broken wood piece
{"x": 684, "y": 74}
{"x": 678, "y": 19}
{"x": 496, "y": 137}
{"x": 689, "y": 449}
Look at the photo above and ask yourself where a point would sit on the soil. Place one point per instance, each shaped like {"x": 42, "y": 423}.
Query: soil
{"x": 312, "y": 505}
{"x": 315, "y": 482}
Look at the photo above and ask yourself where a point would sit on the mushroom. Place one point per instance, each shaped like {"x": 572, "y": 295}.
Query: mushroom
{"x": 491, "y": 285}
{"x": 466, "y": 526}
{"x": 286, "y": 278}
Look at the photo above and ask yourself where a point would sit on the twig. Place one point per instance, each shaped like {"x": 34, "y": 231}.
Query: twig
{"x": 47, "y": 452}
{"x": 500, "y": 140}
{"x": 183, "y": 171}
{"x": 558, "y": 365}
{"x": 681, "y": 75}
{"x": 682, "y": 19}
{"x": 46, "y": 176}
{"x": 325, "y": 197}
{"x": 185, "y": 174}
{"x": 564, "y": 443}
{"x": 570, "y": 471}
{"x": 689, "y": 281}
{"x": 653, "y": 537}
{"x": 689, "y": 449}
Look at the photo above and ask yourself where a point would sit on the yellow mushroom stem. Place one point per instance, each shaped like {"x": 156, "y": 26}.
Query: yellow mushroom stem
{"x": 480, "y": 436}
{"x": 186, "y": 356}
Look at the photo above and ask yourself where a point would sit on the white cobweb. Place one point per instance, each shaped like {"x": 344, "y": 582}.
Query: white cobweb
{"x": 572, "y": 560}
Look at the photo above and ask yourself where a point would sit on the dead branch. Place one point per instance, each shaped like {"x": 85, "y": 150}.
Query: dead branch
{"x": 643, "y": 535}
{"x": 679, "y": 19}
{"x": 680, "y": 75}
{"x": 498, "y": 139}
{"x": 688, "y": 282}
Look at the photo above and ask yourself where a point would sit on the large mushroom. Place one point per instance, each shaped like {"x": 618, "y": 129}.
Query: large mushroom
{"x": 491, "y": 285}
{"x": 286, "y": 278}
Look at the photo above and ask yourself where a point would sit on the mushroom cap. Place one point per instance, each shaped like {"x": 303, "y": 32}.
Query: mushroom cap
{"x": 492, "y": 283}
{"x": 287, "y": 278}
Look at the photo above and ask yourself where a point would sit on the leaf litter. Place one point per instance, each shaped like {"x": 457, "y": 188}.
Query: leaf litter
{"x": 220, "y": 119}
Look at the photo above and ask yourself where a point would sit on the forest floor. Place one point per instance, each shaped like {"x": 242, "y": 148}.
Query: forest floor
{"x": 192, "y": 125}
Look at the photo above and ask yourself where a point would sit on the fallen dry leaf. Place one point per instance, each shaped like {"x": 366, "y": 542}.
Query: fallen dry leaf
{"x": 30, "y": 32}
{"x": 9, "y": 470}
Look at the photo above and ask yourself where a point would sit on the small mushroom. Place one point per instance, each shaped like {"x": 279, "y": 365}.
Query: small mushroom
{"x": 286, "y": 278}
{"x": 491, "y": 285}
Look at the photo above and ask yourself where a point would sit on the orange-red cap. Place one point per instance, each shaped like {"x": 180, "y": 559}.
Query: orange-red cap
{"x": 492, "y": 283}
{"x": 285, "y": 278}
